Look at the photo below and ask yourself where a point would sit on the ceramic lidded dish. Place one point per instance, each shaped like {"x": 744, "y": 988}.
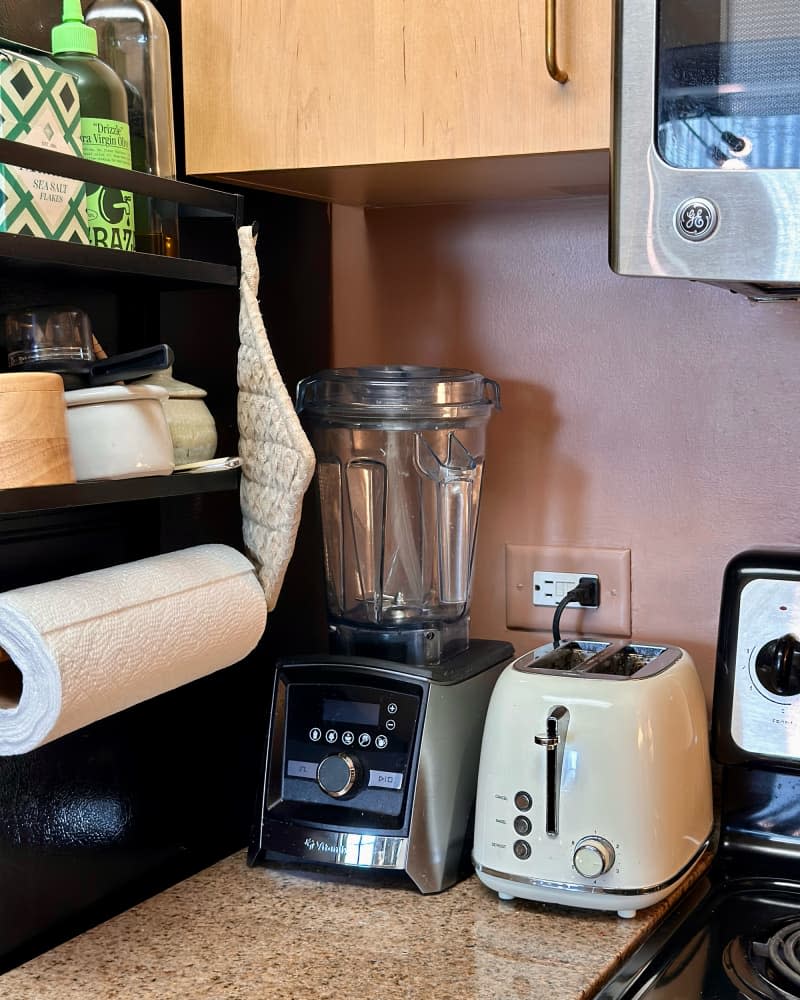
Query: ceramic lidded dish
{"x": 191, "y": 425}
{"x": 119, "y": 432}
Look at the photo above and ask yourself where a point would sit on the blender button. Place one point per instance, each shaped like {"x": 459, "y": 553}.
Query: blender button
{"x": 381, "y": 742}
{"x": 390, "y": 724}
{"x": 315, "y": 734}
{"x": 301, "y": 769}
{"x": 348, "y": 738}
{"x": 386, "y": 779}
{"x": 391, "y": 708}
{"x": 522, "y": 849}
{"x": 364, "y": 739}
{"x": 331, "y": 736}
{"x": 523, "y": 801}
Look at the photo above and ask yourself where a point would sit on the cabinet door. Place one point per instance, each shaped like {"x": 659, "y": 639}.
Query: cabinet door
{"x": 287, "y": 84}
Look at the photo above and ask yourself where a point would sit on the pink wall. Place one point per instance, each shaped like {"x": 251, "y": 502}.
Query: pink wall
{"x": 654, "y": 415}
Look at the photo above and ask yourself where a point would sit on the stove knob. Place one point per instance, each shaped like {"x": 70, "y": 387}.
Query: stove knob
{"x": 593, "y": 856}
{"x": 338, "y": 774}
{"x": 778, "y": 665}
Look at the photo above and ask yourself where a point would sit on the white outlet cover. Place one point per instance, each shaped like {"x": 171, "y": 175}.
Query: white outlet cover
{"x": 613, "y": 566}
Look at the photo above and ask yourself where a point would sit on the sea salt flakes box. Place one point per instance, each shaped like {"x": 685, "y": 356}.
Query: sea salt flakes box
{"x": 39, "y": 106}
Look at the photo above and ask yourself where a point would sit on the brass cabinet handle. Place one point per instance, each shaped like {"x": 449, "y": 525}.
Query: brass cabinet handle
{"x": 550, "y": 57}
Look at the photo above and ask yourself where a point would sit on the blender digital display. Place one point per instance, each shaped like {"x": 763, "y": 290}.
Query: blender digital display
{"x": 357, "y": 713}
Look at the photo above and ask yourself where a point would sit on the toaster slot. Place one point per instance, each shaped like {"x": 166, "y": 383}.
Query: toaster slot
{"x": 625, "y": 662}
{"x": 569, "y": 656}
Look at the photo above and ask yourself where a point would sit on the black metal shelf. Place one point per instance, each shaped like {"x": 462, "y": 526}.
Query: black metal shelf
{"x": 20, "y": 154}
{"x": 194, "y": 203}
{"x": 37, "y": 499}
{"x": 35, "y": 252}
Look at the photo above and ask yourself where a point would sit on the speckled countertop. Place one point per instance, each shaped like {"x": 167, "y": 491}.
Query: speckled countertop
{"x": 269, "y": 934}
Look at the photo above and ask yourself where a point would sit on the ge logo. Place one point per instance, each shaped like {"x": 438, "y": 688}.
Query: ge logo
{"x": 696, "y": 219}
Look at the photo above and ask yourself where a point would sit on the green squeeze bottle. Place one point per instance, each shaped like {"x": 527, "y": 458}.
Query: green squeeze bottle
{"x": 104, "y": 126}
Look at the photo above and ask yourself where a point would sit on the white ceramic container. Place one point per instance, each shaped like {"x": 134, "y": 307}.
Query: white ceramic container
{"x": 119, "y": 432}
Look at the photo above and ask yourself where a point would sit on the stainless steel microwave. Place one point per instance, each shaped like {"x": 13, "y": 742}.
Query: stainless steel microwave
{"x": 706, "y": 143}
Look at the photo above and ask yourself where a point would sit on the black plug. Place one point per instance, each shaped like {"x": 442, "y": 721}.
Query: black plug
{"x": 586, "y": 593}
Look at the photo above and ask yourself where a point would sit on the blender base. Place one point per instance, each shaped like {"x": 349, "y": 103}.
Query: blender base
{"x": 430, "y": 644}
{"x": 372, "y": 764}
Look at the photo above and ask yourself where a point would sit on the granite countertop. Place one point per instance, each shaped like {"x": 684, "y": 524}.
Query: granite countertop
{"x": 275, "y": 934}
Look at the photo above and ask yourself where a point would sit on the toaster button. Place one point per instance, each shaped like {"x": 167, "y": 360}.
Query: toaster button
{"x": 523, "y": 801}
{"x": 522, "y": 825}
{"x": 522, "y": 849}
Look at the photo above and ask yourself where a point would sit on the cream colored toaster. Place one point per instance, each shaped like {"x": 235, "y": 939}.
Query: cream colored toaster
{"x": 594, "y": 785}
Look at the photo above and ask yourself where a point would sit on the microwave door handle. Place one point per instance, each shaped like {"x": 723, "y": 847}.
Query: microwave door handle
{"x": 550, "y": 56}
{"x": 553, "y": 741}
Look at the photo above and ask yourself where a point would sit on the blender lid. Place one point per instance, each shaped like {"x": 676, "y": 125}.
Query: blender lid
{"x": 396, "y": 390}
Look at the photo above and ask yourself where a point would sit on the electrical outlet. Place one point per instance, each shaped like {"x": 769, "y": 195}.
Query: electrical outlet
{"x": 550, "y": 588}
{"x": 611, "y": 566}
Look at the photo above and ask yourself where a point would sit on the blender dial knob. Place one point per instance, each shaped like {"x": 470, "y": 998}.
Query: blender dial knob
{"x": 593, "y": 856}
{"x": 778, "y": 665}
{"x": 338, "y": 774}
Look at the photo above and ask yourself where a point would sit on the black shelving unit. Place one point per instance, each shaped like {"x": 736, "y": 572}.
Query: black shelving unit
{"x": 103, "y": 817}
{"x": 55, "y": 874}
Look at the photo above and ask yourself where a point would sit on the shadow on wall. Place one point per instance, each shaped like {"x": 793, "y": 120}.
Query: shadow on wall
{"x": 435, "y": 324}
{"x": 525, "y": 462}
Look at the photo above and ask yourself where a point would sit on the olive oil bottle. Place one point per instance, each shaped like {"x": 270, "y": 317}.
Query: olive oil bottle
{"x": 105, "y": 133}
{"x": 133, "y": 38}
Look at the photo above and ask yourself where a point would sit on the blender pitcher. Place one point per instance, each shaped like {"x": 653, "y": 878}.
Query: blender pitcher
{"x": 400, "y": 453}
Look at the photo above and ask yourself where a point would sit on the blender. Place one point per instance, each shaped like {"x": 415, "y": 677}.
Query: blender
{"x": 372, "y": 751}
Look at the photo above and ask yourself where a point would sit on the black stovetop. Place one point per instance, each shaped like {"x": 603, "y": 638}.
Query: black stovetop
{"x": 702, "y": 950}
{"x": 713, "y": 945}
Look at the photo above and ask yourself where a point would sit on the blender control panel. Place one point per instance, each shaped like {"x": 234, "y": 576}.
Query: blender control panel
{"x": 765, "y": 713}
{"x": 348, "y": 748}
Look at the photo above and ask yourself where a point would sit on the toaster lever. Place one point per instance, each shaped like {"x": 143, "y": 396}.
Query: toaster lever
{"x": 553, "y": 741}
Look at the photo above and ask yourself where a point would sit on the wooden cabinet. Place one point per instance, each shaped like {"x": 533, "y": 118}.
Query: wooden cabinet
{"x": 393, "y": 101}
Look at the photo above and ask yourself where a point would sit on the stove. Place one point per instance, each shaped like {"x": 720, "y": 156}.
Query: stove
{"x": 736, "y": 932}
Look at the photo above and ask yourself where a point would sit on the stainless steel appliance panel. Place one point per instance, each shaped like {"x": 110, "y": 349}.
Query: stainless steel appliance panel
{"x": 736, "y": 227}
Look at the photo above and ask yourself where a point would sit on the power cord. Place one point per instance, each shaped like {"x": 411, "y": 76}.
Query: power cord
{"x": 587, "y": 593}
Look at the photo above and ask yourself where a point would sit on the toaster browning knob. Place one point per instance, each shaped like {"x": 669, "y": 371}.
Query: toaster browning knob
{"x": 593, "y": 856}
{"x": 338, "y": 774}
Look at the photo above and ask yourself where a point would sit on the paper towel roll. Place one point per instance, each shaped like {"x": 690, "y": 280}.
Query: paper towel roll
{"x": 87, "y": 646}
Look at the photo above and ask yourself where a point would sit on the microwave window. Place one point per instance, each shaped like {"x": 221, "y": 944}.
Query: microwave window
{"x": 728, "y": 93}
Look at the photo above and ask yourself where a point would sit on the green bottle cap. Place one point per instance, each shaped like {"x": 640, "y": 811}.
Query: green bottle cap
{"x": 72, "y": 35}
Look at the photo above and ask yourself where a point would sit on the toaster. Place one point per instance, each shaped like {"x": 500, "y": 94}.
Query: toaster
{"x": 594, "y": 782}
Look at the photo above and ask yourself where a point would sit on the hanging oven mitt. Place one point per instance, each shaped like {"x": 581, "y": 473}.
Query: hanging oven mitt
{"x": 277, "y": 457}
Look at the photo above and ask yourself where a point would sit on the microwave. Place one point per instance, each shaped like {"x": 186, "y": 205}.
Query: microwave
{"x": 705, "y": 150}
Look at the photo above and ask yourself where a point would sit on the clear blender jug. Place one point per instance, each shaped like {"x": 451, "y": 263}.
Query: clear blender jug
{"x": 400, "y": 454}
